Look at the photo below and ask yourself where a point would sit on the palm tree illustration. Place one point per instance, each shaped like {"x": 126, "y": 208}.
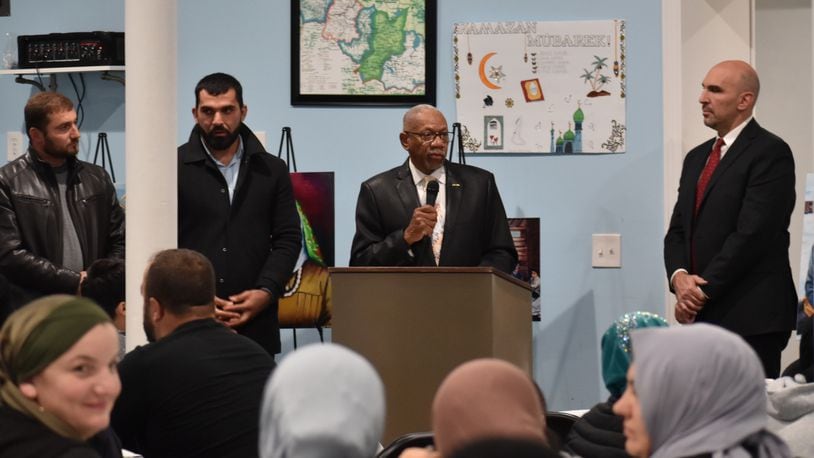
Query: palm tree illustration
{"x": 595, "y": 77}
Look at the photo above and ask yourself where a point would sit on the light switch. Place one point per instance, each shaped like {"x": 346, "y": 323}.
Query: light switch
{"x": 14, "y": 145}
{"x": 606, "y": 250}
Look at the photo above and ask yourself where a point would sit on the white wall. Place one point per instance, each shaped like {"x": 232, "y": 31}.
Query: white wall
{"x": 573, "y": 196}
{"x": 783, "y": 59}
{"x": 775, "y": 36}
{"x": 697, "y": 34}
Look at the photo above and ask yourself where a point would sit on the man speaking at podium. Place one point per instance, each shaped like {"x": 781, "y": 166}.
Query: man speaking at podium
{"x": 429, "y": 211}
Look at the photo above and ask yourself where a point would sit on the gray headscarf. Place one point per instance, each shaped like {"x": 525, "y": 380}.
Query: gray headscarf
{"x": 701, "y": 390}
{"x": 323, "y": 400}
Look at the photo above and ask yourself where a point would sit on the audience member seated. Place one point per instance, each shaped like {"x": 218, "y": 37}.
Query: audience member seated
{"x": 484, "y": 399}
{"x": 5, "y": 306}
{"x": 805, "y": 363}
{"x": 791, "y": 413}
{"x": 11, "y": 298}
{"x": 503, "y": 448}
{"x": 599, "y": 432}
{"x": 58, "y": 380}
{"x": 195, "y": 390}
{"x": 104, "y": 284}
{"x": 695, "y": 391}
{"x": 323, "y": 401}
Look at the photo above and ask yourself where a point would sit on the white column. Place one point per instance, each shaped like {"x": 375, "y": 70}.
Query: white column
{"x": 673, "y": 103}
{"x": 150, "y": 144}
{"x": 696, "y": 35}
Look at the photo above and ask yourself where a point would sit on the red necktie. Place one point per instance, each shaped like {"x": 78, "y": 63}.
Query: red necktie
{"x": 706, "y": 174}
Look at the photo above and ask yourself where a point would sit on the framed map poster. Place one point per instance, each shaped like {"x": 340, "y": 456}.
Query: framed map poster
{"x": 363, "y": 52}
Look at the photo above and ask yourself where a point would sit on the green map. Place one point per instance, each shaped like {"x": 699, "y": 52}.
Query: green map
{"x": 362, "y": 47}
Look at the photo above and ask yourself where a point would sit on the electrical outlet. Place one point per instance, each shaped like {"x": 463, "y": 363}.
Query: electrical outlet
{"x": 607, "y": 250}
{"x": 261, "y": 135}
{"x": 14, "y": 145}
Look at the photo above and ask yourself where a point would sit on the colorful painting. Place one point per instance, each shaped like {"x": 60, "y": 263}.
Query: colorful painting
{"x": 306, "y": 301}
{"x": 808, "y": 233}
{"x": 526, "y": 236}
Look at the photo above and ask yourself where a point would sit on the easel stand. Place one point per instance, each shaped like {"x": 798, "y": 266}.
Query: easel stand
{"x": 104, "y": 146}
{"x": 456, "y": 135}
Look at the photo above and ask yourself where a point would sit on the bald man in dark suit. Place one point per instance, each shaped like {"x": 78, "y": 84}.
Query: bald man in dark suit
{"x": 726, "y": 250}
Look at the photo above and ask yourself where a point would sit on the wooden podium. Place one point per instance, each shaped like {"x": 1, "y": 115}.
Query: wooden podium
{"x": 416, "y": 324}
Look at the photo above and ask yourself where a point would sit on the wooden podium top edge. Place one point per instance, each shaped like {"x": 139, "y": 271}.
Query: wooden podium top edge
{"x": 428, "y": 270}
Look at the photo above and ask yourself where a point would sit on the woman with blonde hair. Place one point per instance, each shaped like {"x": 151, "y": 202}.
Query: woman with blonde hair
{"x": 58, "y": 380}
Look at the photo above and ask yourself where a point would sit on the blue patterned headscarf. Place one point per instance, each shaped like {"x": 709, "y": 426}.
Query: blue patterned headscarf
{"x": 616, "y": 348}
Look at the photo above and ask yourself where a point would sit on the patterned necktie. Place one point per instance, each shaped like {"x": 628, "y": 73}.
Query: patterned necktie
{"x": 437, "y": 231}
{"x": 706, "y": 174}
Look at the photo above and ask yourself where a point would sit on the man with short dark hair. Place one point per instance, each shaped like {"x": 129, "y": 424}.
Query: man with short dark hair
{"x": 57, "y": 214}
{"x": 236, "y": 206}
{"x": 104, "y": 284}
{"x": 195, "y": 390}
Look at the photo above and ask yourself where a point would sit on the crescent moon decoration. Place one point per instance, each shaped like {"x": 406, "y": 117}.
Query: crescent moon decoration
{"x": 482, "y": 73}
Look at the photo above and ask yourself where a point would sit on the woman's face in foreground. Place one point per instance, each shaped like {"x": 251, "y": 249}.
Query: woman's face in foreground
{"x": 81, "y": 385}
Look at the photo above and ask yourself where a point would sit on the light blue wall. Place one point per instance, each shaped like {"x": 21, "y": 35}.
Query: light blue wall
{"x": 104, "y": 100}
{"x": 573, "y": 196}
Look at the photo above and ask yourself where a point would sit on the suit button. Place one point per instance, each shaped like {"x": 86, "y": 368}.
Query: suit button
{"x": 222, "y": 190}
{"x": 225, "y": 250}
{"x": 220, "y": 280}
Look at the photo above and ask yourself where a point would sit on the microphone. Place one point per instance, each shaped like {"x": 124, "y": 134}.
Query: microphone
{"x": 432, "y": 192}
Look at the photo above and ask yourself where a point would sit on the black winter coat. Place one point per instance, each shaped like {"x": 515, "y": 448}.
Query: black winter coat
{"x": 253, "y": 242}
{"x": 24, "y": 437}
{"x": 598, "y": 434}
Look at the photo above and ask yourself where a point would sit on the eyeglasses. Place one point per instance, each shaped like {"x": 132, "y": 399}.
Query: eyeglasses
{"x": 429, "y": 137}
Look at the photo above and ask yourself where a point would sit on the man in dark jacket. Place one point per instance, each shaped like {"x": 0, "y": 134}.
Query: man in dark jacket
{"x": 57, "y": 214}
{"x": 466, "y": 226}
{"x": 726, "y": 251}
{"x": 195, "y": 390}
{"x": 236, "y": 206}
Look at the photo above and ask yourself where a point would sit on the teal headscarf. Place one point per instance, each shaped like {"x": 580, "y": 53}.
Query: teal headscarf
{"x": 616, "y": 348}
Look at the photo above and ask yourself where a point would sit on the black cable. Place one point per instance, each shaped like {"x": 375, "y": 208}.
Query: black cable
{"x": 84, "y": 88}
{"x": 39, "y": 77}
{"x": 82, "y": 100}
{"x": 80, "y": 109}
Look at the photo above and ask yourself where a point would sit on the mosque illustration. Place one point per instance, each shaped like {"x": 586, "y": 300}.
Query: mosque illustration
{"x": 570, "y": 141}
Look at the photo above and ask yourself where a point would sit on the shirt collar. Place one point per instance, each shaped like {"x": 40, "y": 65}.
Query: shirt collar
{"x": 733, "y": 134}
{"x": 418, "y": 176}
{"x": 235, "y": 159}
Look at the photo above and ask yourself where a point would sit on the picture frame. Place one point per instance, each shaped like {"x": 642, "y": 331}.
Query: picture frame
{"x": 526, "y": 238}
{"x": 317, "y": 81}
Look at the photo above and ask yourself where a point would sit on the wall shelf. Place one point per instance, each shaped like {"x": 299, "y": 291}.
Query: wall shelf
{"x": 33, "y": 71}
{"x": 52, "y": 74}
